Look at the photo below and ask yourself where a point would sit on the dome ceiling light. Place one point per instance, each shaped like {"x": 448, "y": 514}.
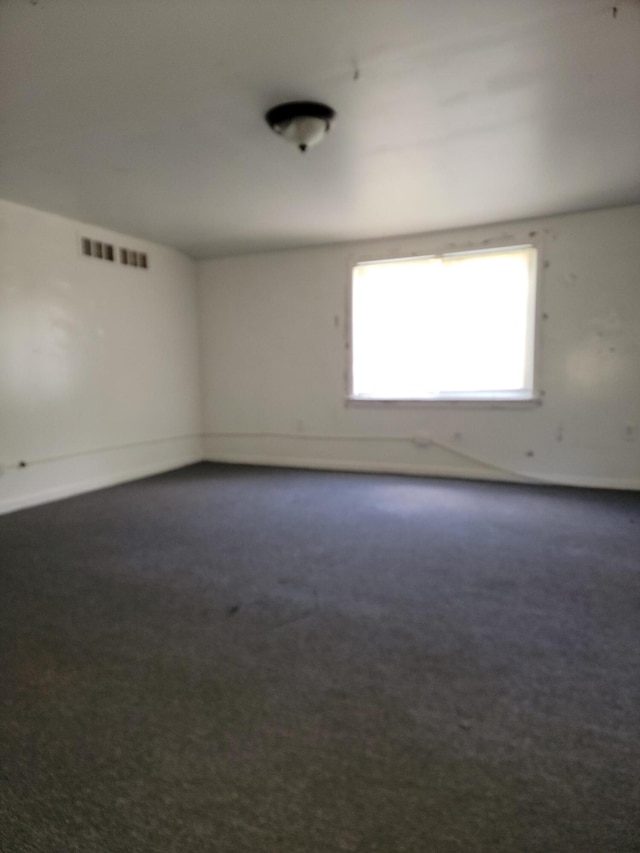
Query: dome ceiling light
{"x": 304, "y": 123}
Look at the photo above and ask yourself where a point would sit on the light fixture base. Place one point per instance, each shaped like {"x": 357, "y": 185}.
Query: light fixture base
{"x": 304, "y": 123}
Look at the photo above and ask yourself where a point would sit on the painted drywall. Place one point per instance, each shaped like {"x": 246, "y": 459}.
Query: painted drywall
{"x": 99, "y": 366}
{"x": 274, "y": 353}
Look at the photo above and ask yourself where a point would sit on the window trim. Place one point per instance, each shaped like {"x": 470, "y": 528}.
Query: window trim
{"x": 490, "y": 399}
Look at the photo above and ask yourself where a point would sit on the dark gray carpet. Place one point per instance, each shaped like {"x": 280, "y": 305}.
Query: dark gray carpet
{"x": 235, "y": 659}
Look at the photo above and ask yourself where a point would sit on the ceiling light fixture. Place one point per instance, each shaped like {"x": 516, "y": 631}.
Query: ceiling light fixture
{"x": 304, "y": 123}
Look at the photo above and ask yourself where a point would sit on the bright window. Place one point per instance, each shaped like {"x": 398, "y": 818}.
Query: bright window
{"x": 458, "y": 326}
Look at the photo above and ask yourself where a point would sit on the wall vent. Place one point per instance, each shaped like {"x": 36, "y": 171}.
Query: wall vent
{"x": 106, "y": 252}
{"x": 131, "y": 258}
{"x": 97, "y": 249}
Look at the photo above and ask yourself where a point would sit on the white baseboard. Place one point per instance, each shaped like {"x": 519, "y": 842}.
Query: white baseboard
{"x": 457, "y": 472}
{"x": 50, "y": 481}
{"x": 353, "y": 465}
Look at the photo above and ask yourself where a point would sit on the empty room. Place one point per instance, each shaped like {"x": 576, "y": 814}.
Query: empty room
{"x": 319, "y": 426}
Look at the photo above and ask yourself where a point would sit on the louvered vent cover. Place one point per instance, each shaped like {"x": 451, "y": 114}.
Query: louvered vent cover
{"x": 97, "y": 249}
{"x": 131, "y": 258}
{"x": 106, "y": 252}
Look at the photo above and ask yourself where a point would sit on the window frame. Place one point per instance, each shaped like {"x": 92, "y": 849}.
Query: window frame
{"x": 491, "y": 399}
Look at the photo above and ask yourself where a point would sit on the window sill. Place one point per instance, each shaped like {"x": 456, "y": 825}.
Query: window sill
{"x": 475, "y": 402}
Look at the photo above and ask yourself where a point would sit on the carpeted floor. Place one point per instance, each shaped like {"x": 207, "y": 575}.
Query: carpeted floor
{"x": 235, "y": 659}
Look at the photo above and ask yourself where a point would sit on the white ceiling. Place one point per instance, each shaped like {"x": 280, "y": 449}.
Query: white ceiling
{"x": 146, "y": 116}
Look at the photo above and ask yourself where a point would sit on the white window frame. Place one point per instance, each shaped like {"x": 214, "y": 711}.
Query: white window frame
{"x": 532, "y": 396}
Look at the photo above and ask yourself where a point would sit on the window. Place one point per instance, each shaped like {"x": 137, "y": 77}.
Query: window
{"x": 453, "y": 327}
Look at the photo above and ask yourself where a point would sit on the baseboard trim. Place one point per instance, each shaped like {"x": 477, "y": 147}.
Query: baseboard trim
{"x": 127, "y": 473}
{"x": 458, "y": 473}
{"x": 168, "y": 457}
{"x": 356, "y": 466}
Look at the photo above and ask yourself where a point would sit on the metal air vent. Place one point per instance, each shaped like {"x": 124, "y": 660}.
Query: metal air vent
{"x": 107, "y": 252}
{"x": 131, "y": 258}
{"x": 97, "y": 249}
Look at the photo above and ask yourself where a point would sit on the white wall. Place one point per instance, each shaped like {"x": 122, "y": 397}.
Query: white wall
{"x": 274, "y": 359}
{"x": 99, "y": 367}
